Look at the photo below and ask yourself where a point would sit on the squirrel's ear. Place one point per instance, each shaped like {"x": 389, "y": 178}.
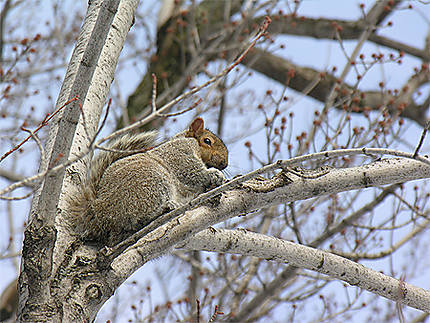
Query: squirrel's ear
{"x": 197, "y": 125}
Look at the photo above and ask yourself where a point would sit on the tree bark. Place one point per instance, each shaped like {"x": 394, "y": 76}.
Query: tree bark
{"x": 274, "y": 249}
{"x": 88, "y": 77}
{"x": 243, "y": 201}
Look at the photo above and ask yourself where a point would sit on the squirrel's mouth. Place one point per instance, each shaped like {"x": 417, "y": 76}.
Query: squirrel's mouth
{"x": 219, "y": 164}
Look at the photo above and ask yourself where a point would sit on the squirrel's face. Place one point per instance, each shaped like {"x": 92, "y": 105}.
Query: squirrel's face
{"x": 214, "y": 152}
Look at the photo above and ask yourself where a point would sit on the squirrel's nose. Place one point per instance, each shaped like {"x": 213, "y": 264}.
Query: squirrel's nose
{"x": 221, "y": 162}
{"x": 217, "y": 161}
{"x": 224, "y": 165}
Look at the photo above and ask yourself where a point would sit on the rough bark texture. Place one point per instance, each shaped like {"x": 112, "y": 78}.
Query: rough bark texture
{"x": 90, "y": 72}
{"x": 273, "y": 249}
{"x": 242, "y": 201}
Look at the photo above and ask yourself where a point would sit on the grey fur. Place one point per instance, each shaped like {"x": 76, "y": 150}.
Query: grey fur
{"x": 126, "y": 191}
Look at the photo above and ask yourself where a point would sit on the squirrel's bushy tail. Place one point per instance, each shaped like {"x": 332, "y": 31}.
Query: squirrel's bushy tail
{"x": 80, "y": 202}
{"x": 122, "y": 147}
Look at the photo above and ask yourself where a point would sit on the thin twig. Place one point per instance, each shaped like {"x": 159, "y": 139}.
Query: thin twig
{"x": 423, "y": 135}
{"x": 84, "y": 121}
{"x": 41, "y": 125}
{"x": 174, "y": 114}
{"x": 38, "y": 142}
{"x": 215, "y": 314}
{"x": 31, "y": 181}
{"x": 154, "y": 93}
{"x": 101, "y": 126}
{"x": 17, "y": 198}
{"x": 198, "y": 311}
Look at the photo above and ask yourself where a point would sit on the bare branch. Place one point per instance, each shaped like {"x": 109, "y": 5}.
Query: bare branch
{"x": 299, "y": 78}
{"x": 238, "y": 202}
{"x": 270, "y": 248}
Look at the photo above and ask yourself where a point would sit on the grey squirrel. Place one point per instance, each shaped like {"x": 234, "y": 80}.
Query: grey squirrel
{"x": 127, "y": 190}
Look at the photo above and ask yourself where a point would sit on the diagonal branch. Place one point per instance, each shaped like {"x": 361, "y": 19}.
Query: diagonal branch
{"x": 270, "y": 248}
{"x": 240, "y": 201}
{"x": 324, "y": 28}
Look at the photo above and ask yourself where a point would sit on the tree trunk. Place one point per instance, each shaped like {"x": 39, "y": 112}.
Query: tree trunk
{"x": 45, "y": 293}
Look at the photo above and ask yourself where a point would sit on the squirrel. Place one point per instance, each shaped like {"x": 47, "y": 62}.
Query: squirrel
{"x": 127, "y": 190}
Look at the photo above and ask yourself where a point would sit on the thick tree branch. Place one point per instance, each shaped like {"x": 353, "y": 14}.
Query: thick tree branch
{"x": 88, "y": 77}
{"x": 242, "y": 201}
{"x": 258, "y": 245}
{"x": 324, "y": 28}
{"x": 110, "y": 253}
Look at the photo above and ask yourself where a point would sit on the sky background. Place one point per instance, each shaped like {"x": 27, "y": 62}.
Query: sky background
{"x": 409, "y": 26}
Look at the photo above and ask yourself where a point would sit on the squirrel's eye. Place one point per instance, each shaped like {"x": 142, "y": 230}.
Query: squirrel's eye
{"x": 207, "y": 141}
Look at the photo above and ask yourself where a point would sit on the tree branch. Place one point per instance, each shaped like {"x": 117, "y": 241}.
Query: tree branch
{"x": 259, "y": 245}
{"x": 299, "y": 78}
{"x": 324, "y": 28}
{"x": 47, "y": 236}
{"x": 242, "y": 201}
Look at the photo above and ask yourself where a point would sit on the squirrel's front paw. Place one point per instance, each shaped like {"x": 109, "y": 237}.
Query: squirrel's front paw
{"x": 170, "y": 206}
{"x": 216, "y": 178}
